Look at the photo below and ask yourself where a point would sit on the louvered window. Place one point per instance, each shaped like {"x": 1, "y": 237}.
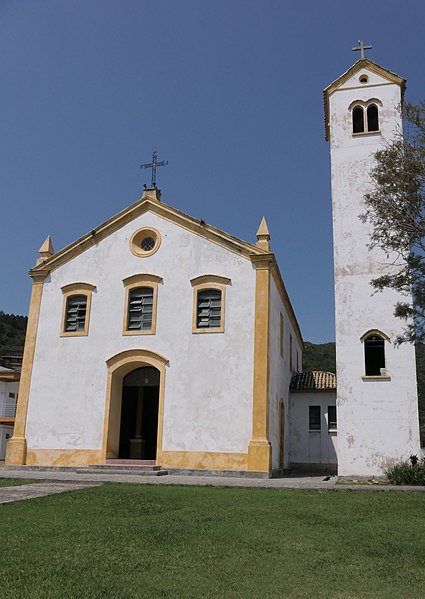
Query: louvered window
{"x": 208, "y": 309}
{"x": 140, "y": 305}
{"x": 76, "y": 307}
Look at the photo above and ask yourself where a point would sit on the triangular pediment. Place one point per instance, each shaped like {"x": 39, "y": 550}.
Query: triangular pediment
{"x": 149, "y": 204}
{"x": 362, "y": 64}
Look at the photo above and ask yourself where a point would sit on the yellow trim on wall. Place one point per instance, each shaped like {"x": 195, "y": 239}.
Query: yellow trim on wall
{"x": 377, "y": 332}
{"x": 259, "y": 449}
{"x": 118, "y": 367}
{"x": 203, "y": 460}
{"x": 10, "y": 377}
{"x": 209, "y": 279}
{"x": 141, "y": 280}
{"x": 16, "y": 451}
{"x": 69, "y": 291}
{"x": 63, "y": 457}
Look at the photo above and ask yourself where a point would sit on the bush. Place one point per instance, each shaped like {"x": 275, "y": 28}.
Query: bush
{"x": 410, "y": 472}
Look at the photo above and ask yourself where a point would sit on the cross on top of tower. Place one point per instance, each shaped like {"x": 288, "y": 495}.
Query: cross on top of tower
{"x": 153, "y": 165}
{"x": 361, "y": 48}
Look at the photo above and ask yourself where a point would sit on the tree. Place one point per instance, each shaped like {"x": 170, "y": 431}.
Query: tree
{"x": 396, "y": 209}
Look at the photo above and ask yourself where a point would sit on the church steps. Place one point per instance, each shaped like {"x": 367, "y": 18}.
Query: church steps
{"x": 141, "y": 470}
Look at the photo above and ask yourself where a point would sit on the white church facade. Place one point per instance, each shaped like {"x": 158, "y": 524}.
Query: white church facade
{"x": 159, "y": 339}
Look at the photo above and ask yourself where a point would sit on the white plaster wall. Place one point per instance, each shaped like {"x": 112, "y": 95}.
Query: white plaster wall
{"x": 377, "y": 420}
{"x": 208, "y": 393}
{"x": 311, "y": 447}
{"x": 280, "y": 373}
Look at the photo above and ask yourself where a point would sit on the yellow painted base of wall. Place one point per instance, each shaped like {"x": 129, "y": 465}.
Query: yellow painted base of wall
{"x": 16, "y": 451}
{"x": 64, "y": 457}
{"x": 202, "y": 460}
{"x": 257, "y": 459}
{"x": 259, "y": 456}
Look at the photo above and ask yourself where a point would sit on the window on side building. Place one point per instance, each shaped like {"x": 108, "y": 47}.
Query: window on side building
{"x": 314, "y": 423}
{"x": 332, "y": 418}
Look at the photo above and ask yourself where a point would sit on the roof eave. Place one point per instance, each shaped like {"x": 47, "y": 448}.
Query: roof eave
{"x": 124, "y": 217}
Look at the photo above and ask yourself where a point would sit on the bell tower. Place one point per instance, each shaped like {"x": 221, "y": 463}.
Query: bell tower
{"x": 377, "y": 406}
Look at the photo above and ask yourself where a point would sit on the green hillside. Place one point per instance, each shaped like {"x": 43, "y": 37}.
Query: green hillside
{"x": 319, "y": 357}
{"x": 12, "y": 331}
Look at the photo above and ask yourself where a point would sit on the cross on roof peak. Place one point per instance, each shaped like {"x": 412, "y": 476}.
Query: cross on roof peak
{"x": 361, "y": 48}
{"x": 153, "y": 165}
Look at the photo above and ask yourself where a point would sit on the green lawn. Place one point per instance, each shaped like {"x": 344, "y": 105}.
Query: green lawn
{"x": 14, "y": 482}
{"x": 125, "y": 541}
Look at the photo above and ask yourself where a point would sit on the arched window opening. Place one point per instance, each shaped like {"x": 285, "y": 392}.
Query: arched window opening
{"x": 358, "y": 120}
{"x": 76, "y": 309}
{"x": 209, "y": 292}
{"x": 208, "y": 308}
{"x": 141, "y": 296}
{"x": 374, "y": 353}
{"x": 140, "y": 309}
{"x": 372, "y": 118}
{"x": 75, "y": 316}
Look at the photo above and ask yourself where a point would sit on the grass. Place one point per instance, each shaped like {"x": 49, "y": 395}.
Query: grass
{"x": 15, "y": 482}
{"x": 131, "y": 541}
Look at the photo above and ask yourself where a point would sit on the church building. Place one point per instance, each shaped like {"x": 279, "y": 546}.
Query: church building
{"x": 157, "y": 339}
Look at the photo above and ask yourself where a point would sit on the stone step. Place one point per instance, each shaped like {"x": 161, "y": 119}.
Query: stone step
{"x": 94, "y": 469}
{"x": 110, "y": 469}
{"x": 125, "y": 467}
{"x": 128, "y": 462}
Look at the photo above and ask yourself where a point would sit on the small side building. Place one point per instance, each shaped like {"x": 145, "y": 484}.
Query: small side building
{"x": 313, "y": 422}
{"x": 9, "y": 384}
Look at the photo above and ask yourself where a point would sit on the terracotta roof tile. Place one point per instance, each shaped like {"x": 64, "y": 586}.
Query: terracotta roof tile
{"x": 313, "y": 381}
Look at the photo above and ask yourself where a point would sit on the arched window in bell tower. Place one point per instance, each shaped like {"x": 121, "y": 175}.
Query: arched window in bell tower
{"x": 358, "y": 120}
{"x": 365, "y": 116}
{"x": 374, "y": 352}
{"x": 372, "y": 118}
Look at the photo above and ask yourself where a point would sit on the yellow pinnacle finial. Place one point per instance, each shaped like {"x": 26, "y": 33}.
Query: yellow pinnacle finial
{"x": 263, "y": 235}
{"x": 46, "y": 250}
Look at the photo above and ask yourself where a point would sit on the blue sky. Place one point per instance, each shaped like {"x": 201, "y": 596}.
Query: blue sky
{"x": 228, "y": 91}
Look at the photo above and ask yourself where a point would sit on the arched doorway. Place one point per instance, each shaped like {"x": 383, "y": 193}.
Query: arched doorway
{"x": 139, "y": 414}
{"x": 119, "y": 366}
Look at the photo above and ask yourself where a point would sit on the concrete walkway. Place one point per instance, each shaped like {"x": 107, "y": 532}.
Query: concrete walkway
{"x": 317, "y": 483}
{"x": 41, "y": 489}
